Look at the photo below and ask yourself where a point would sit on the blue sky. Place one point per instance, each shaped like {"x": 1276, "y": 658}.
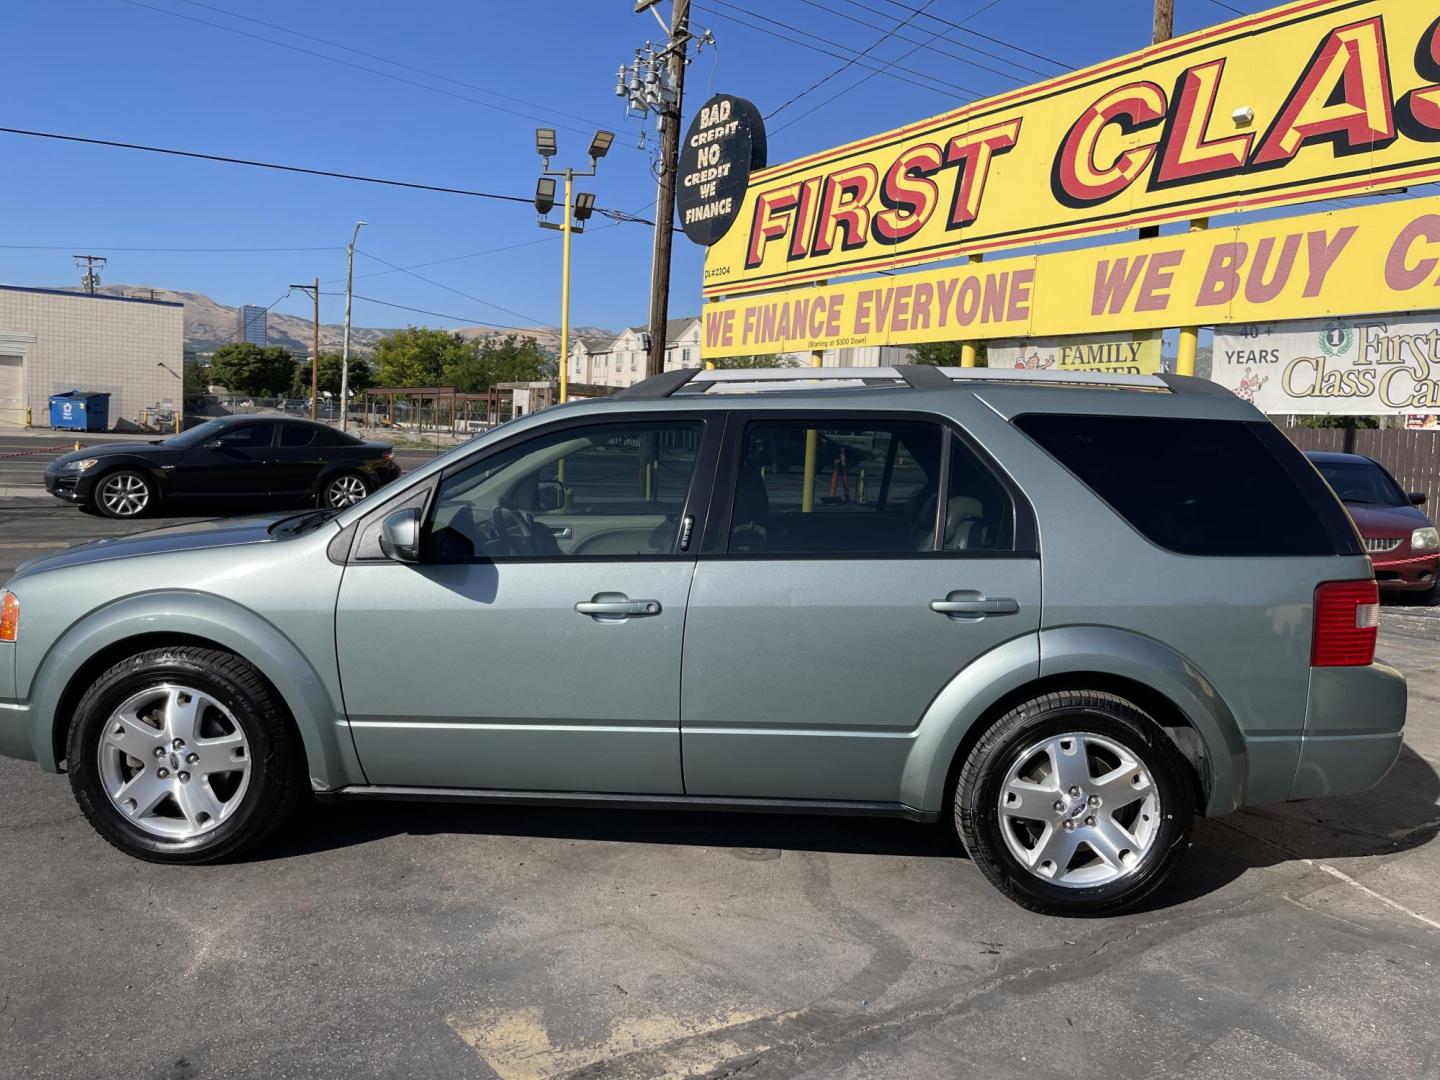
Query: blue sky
{"x": 145, "y": 71}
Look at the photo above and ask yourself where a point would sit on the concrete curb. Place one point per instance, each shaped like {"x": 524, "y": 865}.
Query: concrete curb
{"x": 25, "y": 493}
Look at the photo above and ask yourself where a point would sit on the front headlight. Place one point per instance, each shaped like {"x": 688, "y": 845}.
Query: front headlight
{"x": 78, "y": 466}
{"x": 1426, "y": 539}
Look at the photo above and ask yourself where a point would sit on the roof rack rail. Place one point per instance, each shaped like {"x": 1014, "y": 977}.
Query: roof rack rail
{"x": 694, "y": 381}
{"x": 657, "y": 386}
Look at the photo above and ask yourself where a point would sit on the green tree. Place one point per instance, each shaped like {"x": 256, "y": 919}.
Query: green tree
{"x": 362, "y": 376}
{"x": 419, "y": 356}
{"x": 244, "y": 368}
{"x": 753, "y": 360}
{"x": 947, "y": 354}
{"x": 196, "y": 383}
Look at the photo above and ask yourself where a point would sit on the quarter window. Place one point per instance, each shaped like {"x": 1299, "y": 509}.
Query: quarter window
{"x": 584, "y": 492}
{"x": 293, "y": 435}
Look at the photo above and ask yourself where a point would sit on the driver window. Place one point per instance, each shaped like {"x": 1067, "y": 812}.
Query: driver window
{"x": 603, "y": 489}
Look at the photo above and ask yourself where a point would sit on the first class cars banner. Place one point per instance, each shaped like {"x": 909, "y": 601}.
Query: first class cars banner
{"x": 1309, "y": 100}
{"x": 1371, "y": 366}
{"x": 1379, "y": 258}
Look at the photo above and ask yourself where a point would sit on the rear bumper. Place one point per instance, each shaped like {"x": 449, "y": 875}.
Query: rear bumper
{"x": 1354, "y": 729}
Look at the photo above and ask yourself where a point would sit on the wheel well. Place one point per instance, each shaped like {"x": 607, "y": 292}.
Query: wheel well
{"x": 111, "y": 655}
{"x": 1148, "y": 700}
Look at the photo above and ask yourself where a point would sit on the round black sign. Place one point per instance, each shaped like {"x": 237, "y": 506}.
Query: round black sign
{"x": 725, "y": 142}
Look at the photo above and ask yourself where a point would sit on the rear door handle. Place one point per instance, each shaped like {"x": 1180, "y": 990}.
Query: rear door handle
{"x": 618, "y": 608}
{"x": 973, "y": 606}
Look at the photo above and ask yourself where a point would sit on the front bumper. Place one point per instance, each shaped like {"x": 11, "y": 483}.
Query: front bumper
{"x": 70, "y": 487}
{"x": 1402, "y": 571}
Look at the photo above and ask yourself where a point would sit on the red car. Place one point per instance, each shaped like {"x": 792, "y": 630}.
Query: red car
{"x": 1403, "y": 544}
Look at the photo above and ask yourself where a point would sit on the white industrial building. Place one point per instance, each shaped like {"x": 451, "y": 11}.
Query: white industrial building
{"x": 53, "y": 340}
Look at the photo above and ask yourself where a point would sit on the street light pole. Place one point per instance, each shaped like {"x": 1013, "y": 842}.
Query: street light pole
{"x": 314, "y": 291}
{"x": 576, "y": 210}
{"x": 345, "y": 345}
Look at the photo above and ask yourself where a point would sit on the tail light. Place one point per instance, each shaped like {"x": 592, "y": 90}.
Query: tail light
{"x": 1347, "y": 617}
{"x": 9, "y": 616}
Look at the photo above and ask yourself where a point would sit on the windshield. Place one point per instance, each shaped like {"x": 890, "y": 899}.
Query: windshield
{"x": 196, "y": 435}
{"x": 1362, "y": 482}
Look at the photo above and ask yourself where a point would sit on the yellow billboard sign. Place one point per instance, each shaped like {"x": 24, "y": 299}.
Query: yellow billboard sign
{"x": 1313, "y": 99}
{"x": 1384, "y": 257}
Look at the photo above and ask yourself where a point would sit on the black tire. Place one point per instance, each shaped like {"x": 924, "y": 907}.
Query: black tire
{"x": 275, "y": 755}
{"x": 147, "y": 494}
{"x": 985, "y": 769}
{"x": 323, "y": 498}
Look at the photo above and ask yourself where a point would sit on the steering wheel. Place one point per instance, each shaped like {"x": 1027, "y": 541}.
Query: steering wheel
{"x": 518, "y": 531}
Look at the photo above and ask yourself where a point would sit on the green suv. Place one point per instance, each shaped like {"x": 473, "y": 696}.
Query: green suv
{"x": 1065, "y": 614}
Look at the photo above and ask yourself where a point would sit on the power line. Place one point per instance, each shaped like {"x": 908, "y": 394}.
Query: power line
{"x": 960, "y": 26}
{"x": 383, "y": 59}
{"x": 838, "y": 94}
{"x": 929, "y": 45}
{"x": 350, "y": 64}
{"x": 457, "y": 292}
{"x": 226, "y": 160}
{"x": 205, "y": 250}
{"x": 437, "y": 314}
{"x": 850, "y": 56}
{"x": 1227, "y": 7}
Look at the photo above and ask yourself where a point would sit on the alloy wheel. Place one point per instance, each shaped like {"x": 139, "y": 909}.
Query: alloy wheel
{"x": 345, "y": 491}
{"x": 174, "y": 761}
{"x": 124, "y": 494}
{"x": 1079, "y": 810}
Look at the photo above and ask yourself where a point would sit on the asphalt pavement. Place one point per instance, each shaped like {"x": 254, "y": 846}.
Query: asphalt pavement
{"x": 409, "y": 940}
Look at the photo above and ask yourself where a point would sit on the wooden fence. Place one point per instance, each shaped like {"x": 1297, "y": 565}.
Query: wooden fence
{"x": 1413, "y": 457}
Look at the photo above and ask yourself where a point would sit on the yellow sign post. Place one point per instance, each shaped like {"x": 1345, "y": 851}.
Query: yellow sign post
{"x": 1313, "y": 99}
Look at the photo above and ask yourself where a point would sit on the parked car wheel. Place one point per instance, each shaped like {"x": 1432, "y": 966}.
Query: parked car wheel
{"x": 344, "y": 489}
{"x": 124, "y": 493}
{"x": 183, "y": 755}
{"x": 1075, "y": 803}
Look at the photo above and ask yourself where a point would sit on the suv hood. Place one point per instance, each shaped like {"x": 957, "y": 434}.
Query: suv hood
{"x": 194, "y": 536}
{"x": 1381, "y": 521}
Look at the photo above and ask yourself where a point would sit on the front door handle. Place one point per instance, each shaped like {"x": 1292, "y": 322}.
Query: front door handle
{"x": 617, "y": 607}
{"x": 973, "y": 605}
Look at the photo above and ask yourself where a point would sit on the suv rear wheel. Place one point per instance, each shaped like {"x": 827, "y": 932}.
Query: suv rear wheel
{"x": 1075, "y": 803}
{"x": 182, "y": 755}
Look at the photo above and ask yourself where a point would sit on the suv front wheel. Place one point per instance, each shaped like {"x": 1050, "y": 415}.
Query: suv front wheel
{"x": 182, "y": 755}
{"x": 1075, "y": 803}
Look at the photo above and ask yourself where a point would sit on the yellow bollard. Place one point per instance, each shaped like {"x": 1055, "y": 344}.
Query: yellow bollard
{"x": 77, "y": 444}
{"x": 1189, "y": 335}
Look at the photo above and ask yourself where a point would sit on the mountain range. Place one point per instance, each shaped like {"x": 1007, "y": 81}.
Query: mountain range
{"x": 210, "y": 324}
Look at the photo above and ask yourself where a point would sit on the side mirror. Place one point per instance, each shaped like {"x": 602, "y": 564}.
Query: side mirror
{"x": 1417, "y": 498}
{"x": 550, "y": 496}
{"x": 400, "y": 536}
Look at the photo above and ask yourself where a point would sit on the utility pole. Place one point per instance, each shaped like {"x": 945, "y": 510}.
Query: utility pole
{"x": 93, "y": 264}
{"x": 345, "y": 346}
{"x": 1164, "y": 21}
{"x": 314, "y": 291}
{"x": 670, "y": 121}
{"x": 655, "y": 82}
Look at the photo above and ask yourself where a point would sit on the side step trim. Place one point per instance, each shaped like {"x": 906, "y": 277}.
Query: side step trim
{"x": 596, "y": 800}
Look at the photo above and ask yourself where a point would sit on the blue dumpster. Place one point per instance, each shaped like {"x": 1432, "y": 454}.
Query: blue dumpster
{"x": 80, "y": 410}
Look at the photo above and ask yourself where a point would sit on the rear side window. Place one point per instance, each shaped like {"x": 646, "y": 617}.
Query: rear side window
{"x": 1199, "y": 487}
{"x": 297, "y": 435}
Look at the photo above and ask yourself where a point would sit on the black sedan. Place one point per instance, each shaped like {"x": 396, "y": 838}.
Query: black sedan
{"x": 235, "y": 457}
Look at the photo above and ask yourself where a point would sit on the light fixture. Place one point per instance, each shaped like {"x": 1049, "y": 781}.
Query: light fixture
{"x": 545, "y": 195}
{"x": 545, "y": 142}
{"x": 584, "y": 206}
{"x": 1243, "y": 116}
{"x": 600, "y": 145}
